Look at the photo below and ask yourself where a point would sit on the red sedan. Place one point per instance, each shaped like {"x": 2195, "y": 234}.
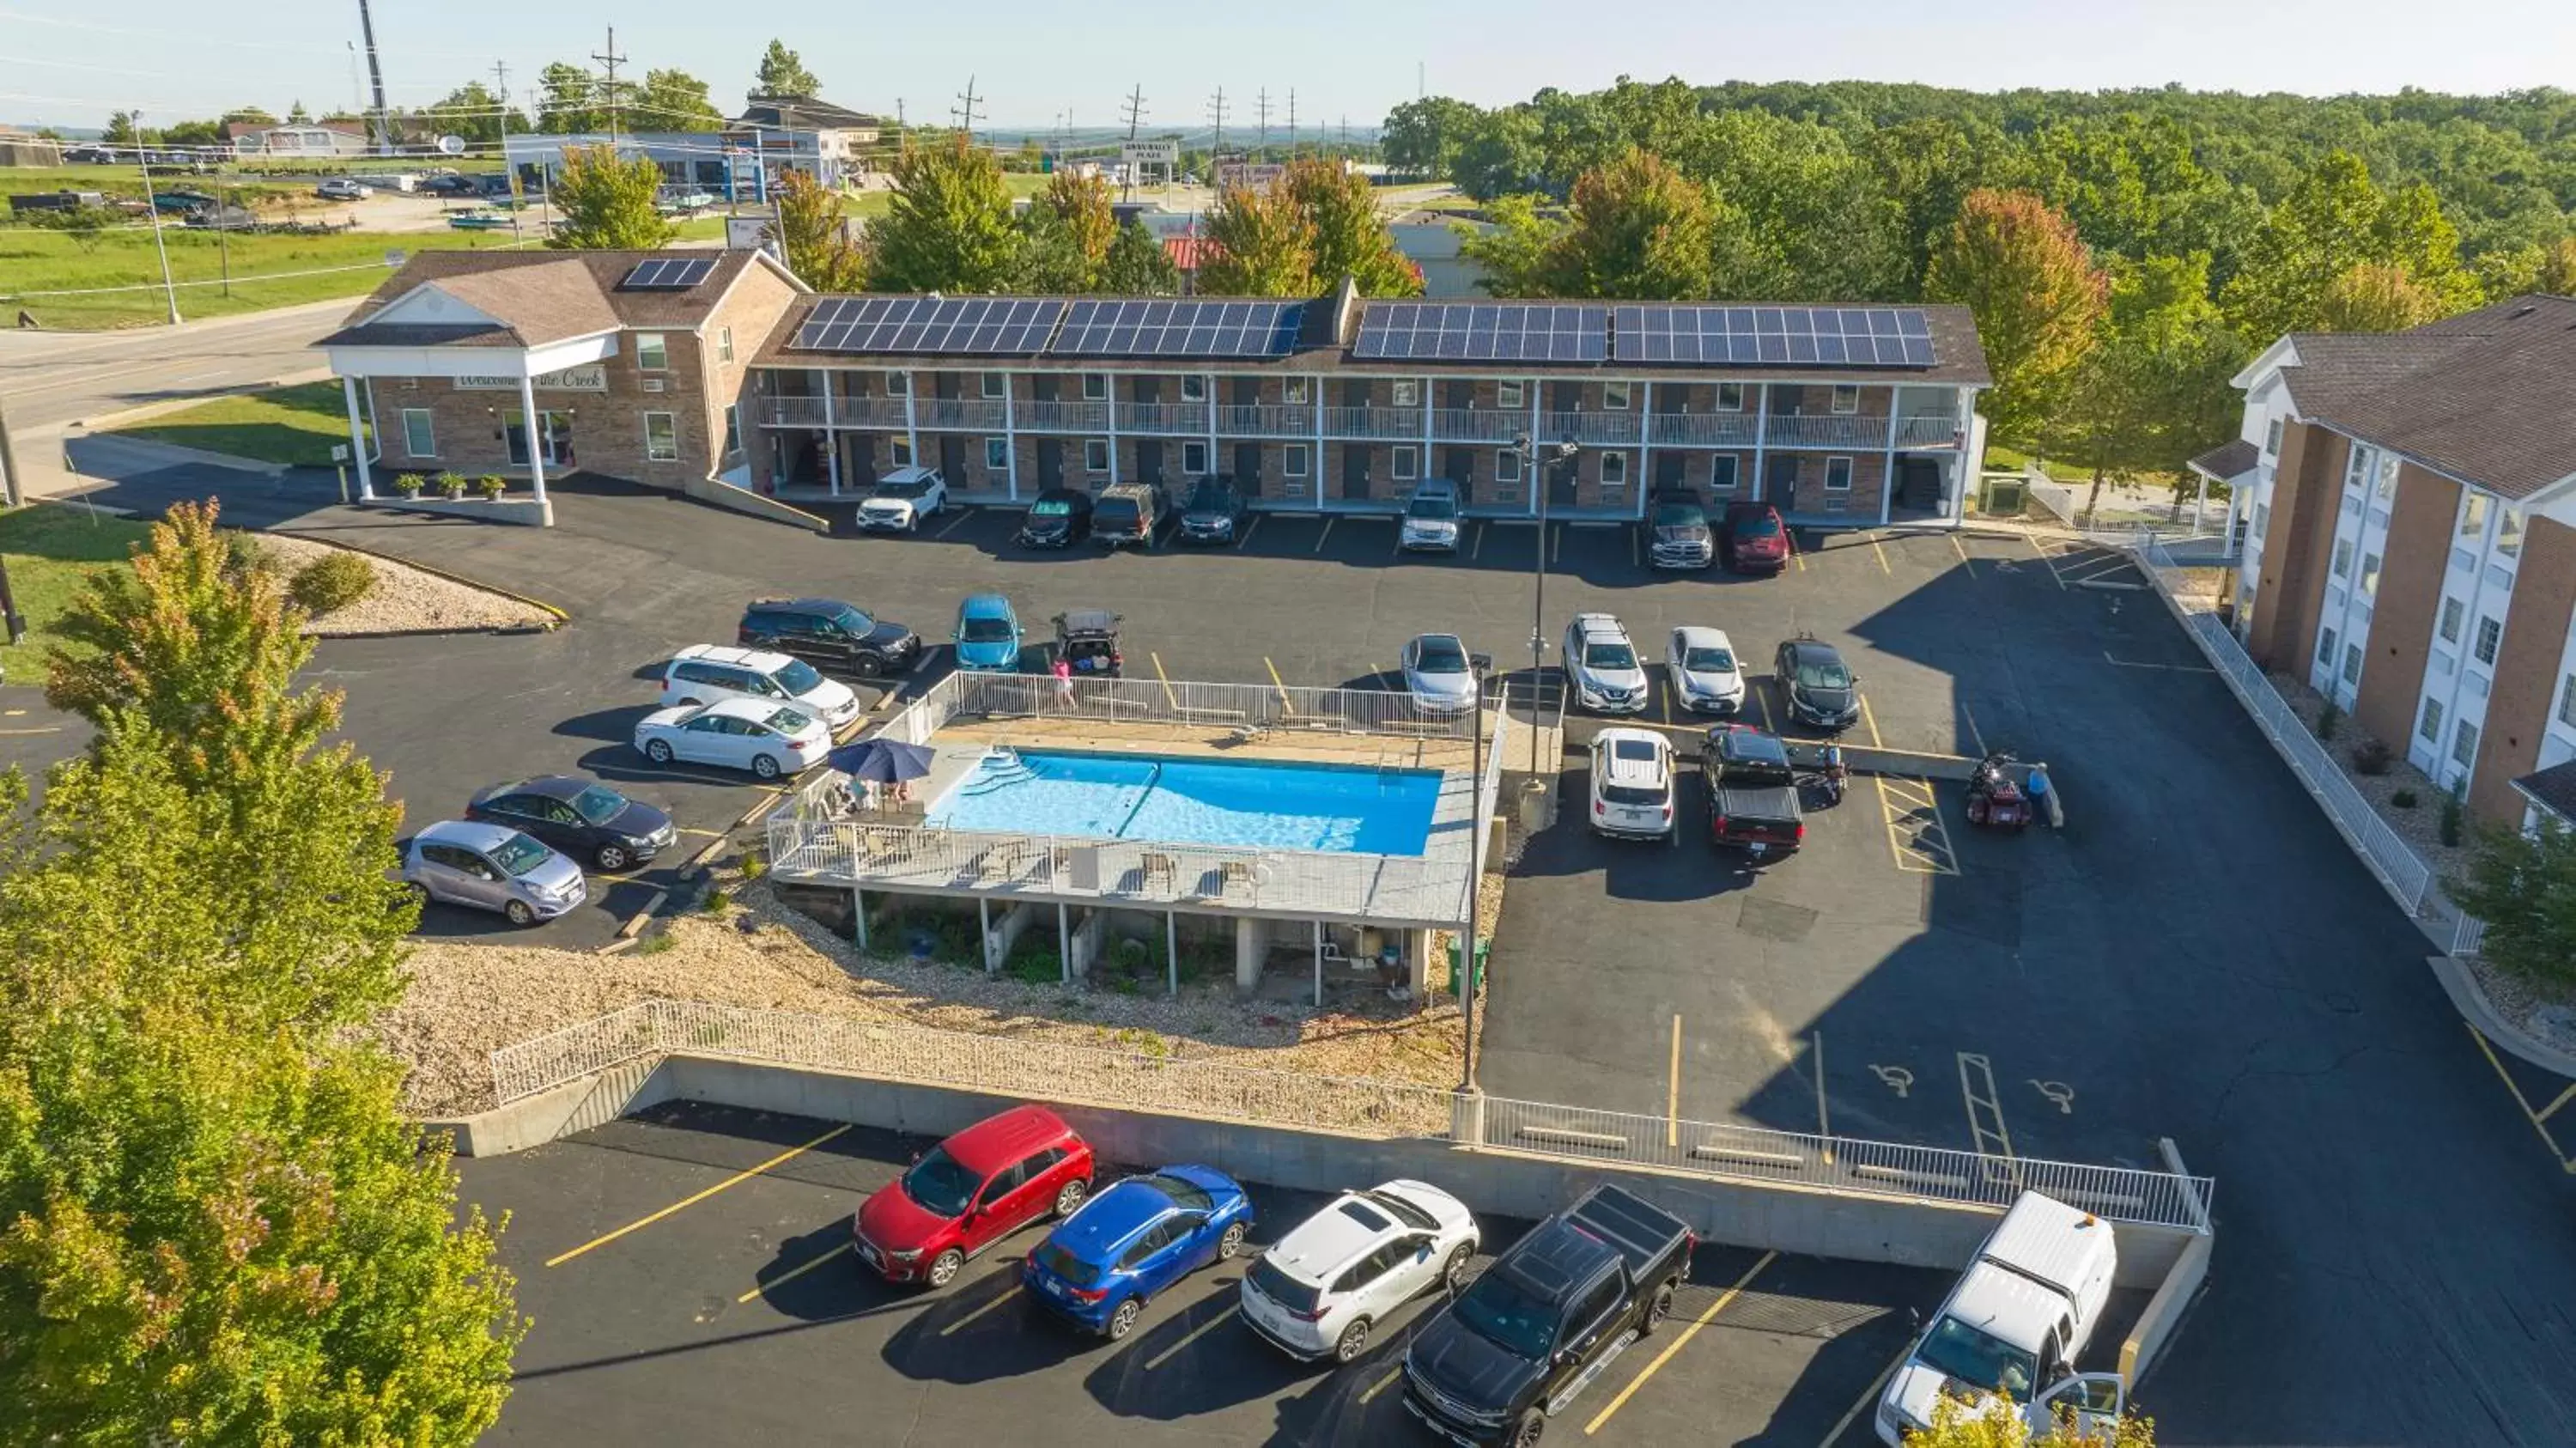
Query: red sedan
{"x": 970, "y": 1191}
{"x": 1754, "y": 538}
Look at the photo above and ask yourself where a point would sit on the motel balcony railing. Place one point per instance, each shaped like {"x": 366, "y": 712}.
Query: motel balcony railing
{"x": 1391, "y": 424}
{"x": 1035, "y": 416}
{"x": 1594, "y": 429}
{"x": 1184, "y": 419}
{"x": 1936, "y": 430}
{"x": 795, "y": 412}
{"x": 1704, "y": 429}
{"x": 1460, "y": 424}
{"x": 1266, "y": 419}
{"x": 1852, "y": 431}
{"x": 969, "y": 413}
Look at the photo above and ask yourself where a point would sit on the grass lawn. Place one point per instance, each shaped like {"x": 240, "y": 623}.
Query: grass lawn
{"x": 51, "y": 549}
{"x": 296, "y": 425}
{"x": 45, "y": 261}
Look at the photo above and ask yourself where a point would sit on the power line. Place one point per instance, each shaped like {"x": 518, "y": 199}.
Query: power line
{"x": 1135, "y": 113}
{"x": 1261, "y": 107}
{"x": 1292, "y": 123}
{"x": 966, "y": 112}
{"x": 1216, "y": 114}
{"x": 608, "y": 87}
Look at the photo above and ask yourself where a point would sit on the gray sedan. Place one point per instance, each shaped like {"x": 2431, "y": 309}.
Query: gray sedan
{"x": 492, "y": 867}
{"x": 1439, "y": 674}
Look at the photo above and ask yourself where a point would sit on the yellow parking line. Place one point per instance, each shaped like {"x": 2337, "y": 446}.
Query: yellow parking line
{"x": 735, "y": 1180}
{"x": 1381, "y": 1384}
{"x": 1871, "y": 720}
{"x": 1677, "y": 1344}
{"x": 709, "y": 834}
{"x": 1200, "y": 1331}
{"x": 1477, "y": 550}
{"x": 2550, "y": 1110}
{"x": 2044, "y": 558}
{"x": 1882, "y": 556}
{"x": 1964, "y": 560}
{"x": 1327, "y": 533}
{"x": 23, "y": 733}
{"x": 959, "y": 522}
{"x": 1275, "y": 681}
{"x": 1007, "y": 1295}
{"x": 1249, "y": 529}
{"x": 791, "y": 1274}
{"x": 1555, "y": 543}
{"x": 1976, "y": 735}
{"x": 1169, "y": 697}
{"x": 1797, "y": 554}
{"x": 2565, "y": 1162}
{"x": 1834, "y": 1434}
{"x": 1673, "y": 1093}
{"x": 1762, "y": 702}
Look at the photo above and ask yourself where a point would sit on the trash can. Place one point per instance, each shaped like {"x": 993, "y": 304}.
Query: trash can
{"x": 1484, "y": 948}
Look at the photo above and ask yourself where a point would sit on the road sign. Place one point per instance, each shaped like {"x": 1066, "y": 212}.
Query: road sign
{"x": 1150, "y": 153}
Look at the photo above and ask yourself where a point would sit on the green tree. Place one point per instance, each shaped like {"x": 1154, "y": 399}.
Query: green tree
{"x": 296, "y": 115}
{"x": 815, "y": 237}
{"x": 470, "y": 111}
{"x": 1424, "y": 136}
{"x": 1066, "y": 235}
{"x": 607, "y": 202}
{"x": 1514, "y": 251}
{"x": 1265, "y": 246}
{"x": 1344, "y": 231}
{"x": 568, "y": 101}
{"x": 948, "y": 226}
{"x": 1499, "y": 155}
{"x": 247, "y": 116}
{"x": 2332, "y": 220}
{"x": 1138, "y": 265}
{"x": 2018, "y": 266}
{"x": 1637, "y": 228}
{"x": 2373, "y": 298}
{"x": 674, "y": 100}
{"x": 121, "y": 129}
{"x": 2524, "y": 887}
{"x": 782, "y": 76}
{"x": 2154, "y": 390}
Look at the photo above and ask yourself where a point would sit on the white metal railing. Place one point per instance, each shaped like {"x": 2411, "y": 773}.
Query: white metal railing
{"x": 2468, "y": 938}
{"x": 1159, "y": 1081}
{"x": 1930, "y": 430}
{"x": 1398, "y": 424}
{"x": 1266, "y": 419}
{"x": 1266, "y": 706}
{"x": 1463, "y": 424}
{"x": 1705, "y": 429}
{"x": 1603, "y": 428}
{"x": 977, "y": 414}
{"x": 869, "y": 412}
{"x": 1800, "y": 430}
{"x": 796, "y": 412}
{"x": 1189, "y": 419}
{"x": 1060, "y": 416}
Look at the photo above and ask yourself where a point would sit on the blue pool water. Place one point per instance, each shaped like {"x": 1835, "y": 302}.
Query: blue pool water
{"x": 1267, "y": 805}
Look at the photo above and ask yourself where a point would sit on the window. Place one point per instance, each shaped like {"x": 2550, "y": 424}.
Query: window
{"x": 724, "y": 344}
{"x": 900, "y": 449}
{"x": 2385, "y": 488}
{"x": 1194, "y": 388}
{"x": 2325, "y": 646}
{"x": 1194, "y": 458}
{"x": 2490, "y": 634}
{"x": 2429, "y": 728}
{"x": 1592, "y": 1307}
{"x": 2567, "y": 701}
{"x": 2343, "y": 558}
{"x": 2370, "y": 575}
{"x": 1846, "y": 398}
{"x": 2272, "y": 438}
{"x": 1507, "y": 465}
{"x": 1838, "y": 474}
{"x": 1730, "y": 397}
{"x": 1292, "y": 460}
{"x": 1614, "y": 470}
{"x": 419, "y": 439}
{"x": 898, "y": 384}
{"x": 1408, "y": 464}
{"x": 1614, "y": 396}
{"x": 2509, "y": 533}
{"x": 1721, "y": 473}
{"x": 1510, "y": 395}
{"x": 1095, "y": 455}
{"x": 2356, "y": 467}
{"x": 661, "y": 437}
{"x": 1095, "y": 387}
{"x": 2464, "y": 745}
{"x": 997, "y": 455}
{"x": 733, "y": 431}
{"x": 2262, "y": 516}
{"x": 2352, "y": 663}
{"x": 993, "y": 384}
{"x": 2454, "y": 613}
{"x": 652, "y": 353}
{"x": 2473, "y": 515}
{"x": 1406, "y": 391}
{"x": 1296, "y": 389}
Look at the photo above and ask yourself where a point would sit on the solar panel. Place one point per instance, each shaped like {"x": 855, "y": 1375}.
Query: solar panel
{"x": 1181, "y": 328}
{"x": 930, "y": 326}
{"x": 1719, "y": 336}
{"x": 668, "y": 274}
{"x": 1483, "y": 332}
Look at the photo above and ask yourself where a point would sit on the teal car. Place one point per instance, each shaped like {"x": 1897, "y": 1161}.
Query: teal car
{"x": 988, "y": 635}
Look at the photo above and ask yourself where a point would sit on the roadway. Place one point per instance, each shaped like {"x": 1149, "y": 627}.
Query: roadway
{"x": 50, "y": 380}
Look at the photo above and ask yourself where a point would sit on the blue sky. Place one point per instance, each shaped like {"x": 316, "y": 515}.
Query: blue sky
{"x": 1032, "y": 61}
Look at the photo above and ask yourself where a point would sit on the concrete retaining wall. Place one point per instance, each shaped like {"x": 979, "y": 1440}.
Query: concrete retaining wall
{"x": 525, "y": 511}
{"x": 743, "y": 500}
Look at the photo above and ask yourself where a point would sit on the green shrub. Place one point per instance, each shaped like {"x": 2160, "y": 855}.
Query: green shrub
{"x": 2371, "y": 756}
{"x": 716, "y": 901}
{"x": 753, "y": 866}
{"x": 410, "y": 485}
{"x": 2452, "y": 810}
{"x": 2402, "y": 799}
{"x": 655, "y": 943}
{"x": 492, "y": 486}
{"x": 452, "y": 484}
{"x": 332, "y": 582}
{"x": 243, "y": 554}
{"x": 2329, "y": 719}
{"x": 1034, "y": 959}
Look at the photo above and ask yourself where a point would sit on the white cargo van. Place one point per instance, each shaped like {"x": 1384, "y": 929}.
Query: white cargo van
{"x": 2014, "y": 1326}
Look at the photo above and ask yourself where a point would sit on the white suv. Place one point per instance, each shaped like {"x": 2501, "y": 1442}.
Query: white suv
{"x": 1343, "y": 1270}
{"x": 1602, "y": 665}
{"x": 1632, "y": 783}
{"x": 705, "y": 673}
{"x": 902, "y": 499}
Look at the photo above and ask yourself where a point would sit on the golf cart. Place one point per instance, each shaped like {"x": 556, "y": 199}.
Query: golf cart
{"x": 1087, "y": 640}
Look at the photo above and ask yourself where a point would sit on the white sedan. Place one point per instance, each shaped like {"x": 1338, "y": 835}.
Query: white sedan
{"x": 1346, "y": 1269}
{"x": 1707, "y": 679}
{"x": 765, "y": 737}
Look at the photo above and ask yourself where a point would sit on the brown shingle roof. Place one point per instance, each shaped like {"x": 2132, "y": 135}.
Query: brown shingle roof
{"x": 2488, "y": 397}
{"x": 2553, "y": 789}
{"x": 2228, "y": 460}
{"x": 540, "y": 293}
{"x": 422, "y": 334}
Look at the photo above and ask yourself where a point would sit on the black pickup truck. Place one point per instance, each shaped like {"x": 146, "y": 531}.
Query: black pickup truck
{"x": 1752, "y": 792}
{"x": 1541, "y": 1323}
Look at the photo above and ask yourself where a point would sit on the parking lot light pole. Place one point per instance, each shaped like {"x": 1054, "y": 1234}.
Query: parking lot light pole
{"x": 1532, "y": 469}
{"x": 1478, "y": 825}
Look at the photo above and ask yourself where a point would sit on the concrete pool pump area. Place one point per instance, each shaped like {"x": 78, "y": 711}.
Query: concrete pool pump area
{"x": 1329, "y": 832}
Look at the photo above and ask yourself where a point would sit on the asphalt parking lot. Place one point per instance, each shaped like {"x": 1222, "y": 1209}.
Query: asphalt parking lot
{"x": 741, "y": 1315}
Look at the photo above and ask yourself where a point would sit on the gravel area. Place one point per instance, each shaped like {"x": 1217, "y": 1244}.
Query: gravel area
{"x": 404, "y": 598}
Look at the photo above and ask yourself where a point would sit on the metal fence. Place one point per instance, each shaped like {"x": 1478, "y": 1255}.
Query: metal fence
{"x": 1154, "y": 1080}
{"x": 1254, "y": 706}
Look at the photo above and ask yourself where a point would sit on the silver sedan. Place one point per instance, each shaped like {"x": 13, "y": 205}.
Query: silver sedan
{"x": 1439, "y": 674}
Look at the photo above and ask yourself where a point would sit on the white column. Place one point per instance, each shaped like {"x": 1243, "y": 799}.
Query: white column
{"x": 532, "y": 426}
{"x": 1315, "y": 469}
{"x": 1430, "y": 468}
{"x": 1010, "y": 438}
{"x": 1761, "y": 487}
{"x": 911, "y": 418}
{"x": 1207, "y": 384}
{"x": 1319, "y": 964}
{"x": 1645, "y": 480}
{"x": 1533, "y": 477}
{"x": 1172, "y": 951}
{"x": 1887, "y": 464}
{"x": 1109, "y": 410}
{"x": 831, "y": 439}
{"x": 358, "y": 440}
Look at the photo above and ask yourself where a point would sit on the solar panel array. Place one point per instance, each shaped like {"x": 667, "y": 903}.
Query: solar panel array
{"x": 1683, "y": 336}
{"x": 668, "y": 274}
{"x": 1181, "y": 329}
{"x": 1483, "y": 332}
{"x": 936, "y": 326}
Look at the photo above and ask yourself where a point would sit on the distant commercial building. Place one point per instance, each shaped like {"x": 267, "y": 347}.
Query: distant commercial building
{"x": 690, "y": 160}
{"x": 25, "y": 148}
{"x": 792, "y": 133}
{"x": 325, "y": 138}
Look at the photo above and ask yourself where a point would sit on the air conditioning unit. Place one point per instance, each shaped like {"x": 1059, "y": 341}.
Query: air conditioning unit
{"x": 653, "y": 384}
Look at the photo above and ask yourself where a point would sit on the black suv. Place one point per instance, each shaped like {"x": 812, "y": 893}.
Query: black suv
{"x": 1546, "y": 1318}
{"x": 1821, "y": 688}
{"x": 1214, "y": 513}
{"x": 1131, "y": 513}
{"x": 829, "y": 634}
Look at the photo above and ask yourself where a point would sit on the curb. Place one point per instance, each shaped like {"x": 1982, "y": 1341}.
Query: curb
{"x": 108, "y": 421}
{"x": 559, "y": 616}
{"x": 425, "y": 633}
{"x": 2487, "y": 1021}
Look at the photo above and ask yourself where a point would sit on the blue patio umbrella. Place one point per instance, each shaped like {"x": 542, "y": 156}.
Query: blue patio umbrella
{"x": 881, "y": 760}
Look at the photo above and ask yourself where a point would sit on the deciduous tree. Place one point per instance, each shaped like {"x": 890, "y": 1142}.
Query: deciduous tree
{"x": 674, "y": 100}
{"x": 948, "y": 226}
{"x": 2372, "y": 298}
{"x": 1067, "y": 233}
{"x": 607, "y": 203}
{"x": 568, "y": 101}
{"x": 1346, "y": 235}
{"x": 815, "y": 237}
{"x": 782, "y": 76}
{"x": 1264, "y": 246}
{"x": 1513, "y": 250}
{"x": 2332, "y": 220}
{"x": 2154, "y": 390}
{"x": 2018, "y": 265}
{"x": 1138, "y": 265}
{"x": 1636, "y": 228}
{"x": 2524, "y": 887}
{"x": 2001, "y": 1424}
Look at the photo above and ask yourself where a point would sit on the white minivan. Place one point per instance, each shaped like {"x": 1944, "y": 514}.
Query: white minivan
{"x": 2014, "y": 1325}
{"x": 705, "y": 673}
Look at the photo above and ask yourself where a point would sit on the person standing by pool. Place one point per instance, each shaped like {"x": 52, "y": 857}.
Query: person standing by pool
{"x": 1063, "y": 671}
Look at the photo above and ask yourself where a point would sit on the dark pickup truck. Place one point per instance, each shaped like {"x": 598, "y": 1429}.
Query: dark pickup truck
{"x": 1752, "y": 792}
{"x": 1542, "y": 1322}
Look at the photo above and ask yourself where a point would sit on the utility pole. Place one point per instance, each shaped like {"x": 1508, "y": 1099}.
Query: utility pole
{"x": 1216, "y": 148}
{"x": 169, "y": 288}
{"x": 10, "y": 487}
{"x": 376, "y": 78}
{"x": 608, "y": 87}
{"x": 509, "y": 173}
{"x": 1135, "y": 113}
{"x": 966, "y": 112}
{"x": 902, "y": 132}
{"x": 1261, "y": 108}
{"x": 1292, "y": 123}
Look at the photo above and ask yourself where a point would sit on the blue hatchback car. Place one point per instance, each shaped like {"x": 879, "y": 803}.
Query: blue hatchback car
{"x": 1099, "y": 1266}
{"x": 988, "y": 635}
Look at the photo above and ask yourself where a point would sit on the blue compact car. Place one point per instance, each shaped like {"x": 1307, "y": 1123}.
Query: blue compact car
{"x": 988, "y": 635}
{"x": 1099, "y": 1266}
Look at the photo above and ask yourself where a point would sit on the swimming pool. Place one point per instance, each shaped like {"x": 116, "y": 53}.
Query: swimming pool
{"x": 1272, "y": 805}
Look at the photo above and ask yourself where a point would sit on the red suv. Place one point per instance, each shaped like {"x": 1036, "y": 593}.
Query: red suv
{"x": 1754, "y": 538}
{"x": 970, "y": 1191}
